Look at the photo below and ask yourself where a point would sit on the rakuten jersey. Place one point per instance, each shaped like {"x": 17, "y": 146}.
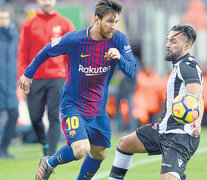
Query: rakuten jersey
{"x": 89, "y": 70}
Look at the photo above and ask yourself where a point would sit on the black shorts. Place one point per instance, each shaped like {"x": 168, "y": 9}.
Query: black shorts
{"x": 176, "y": 149}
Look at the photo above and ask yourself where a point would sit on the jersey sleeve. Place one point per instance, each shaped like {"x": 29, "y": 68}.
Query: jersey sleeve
{"x": 189, "y": 72}
{"x": 60, "y": 46}
{"x": 127, "y": 62}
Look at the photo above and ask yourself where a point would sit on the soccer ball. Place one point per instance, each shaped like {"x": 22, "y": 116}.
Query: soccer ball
{"x": 185, "y": 108}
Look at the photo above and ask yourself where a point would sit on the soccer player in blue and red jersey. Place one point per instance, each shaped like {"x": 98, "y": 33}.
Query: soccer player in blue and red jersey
{"x": 94, "y": 53}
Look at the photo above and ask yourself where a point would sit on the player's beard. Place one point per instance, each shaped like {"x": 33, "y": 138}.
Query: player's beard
{"x": 47, "y": 9}
{"x": 173, "y": 56}
{"x": 104, "y": 34}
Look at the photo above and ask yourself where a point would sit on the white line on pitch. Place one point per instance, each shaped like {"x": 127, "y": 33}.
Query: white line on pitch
{"x": 139, "y": 163}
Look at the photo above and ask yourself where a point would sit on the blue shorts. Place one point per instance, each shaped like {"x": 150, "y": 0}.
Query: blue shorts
{"x": 76, "y": 127}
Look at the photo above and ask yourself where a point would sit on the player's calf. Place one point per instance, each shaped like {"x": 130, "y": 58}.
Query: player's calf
{"x": 92, "y": 162}
{"x": 122, "y": 162}
{"x": 98, "y": 152}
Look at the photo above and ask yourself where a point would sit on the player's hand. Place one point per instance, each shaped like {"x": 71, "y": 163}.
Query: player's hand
{"x": 24, "y": 84}
{"x": 114, "y": 53}
{"x": 196, "y": 126}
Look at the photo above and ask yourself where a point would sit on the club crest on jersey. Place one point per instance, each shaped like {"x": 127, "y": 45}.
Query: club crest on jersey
{"x": 106, "y": 57}
{"x": 72, "y": 133}
{"x": 56, "y": 29}
{"x": 55, "y": 42}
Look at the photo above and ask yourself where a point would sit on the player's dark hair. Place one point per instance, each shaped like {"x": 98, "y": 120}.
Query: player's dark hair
{"x": 104, "y": 7}
{"x": 187, "y": 31}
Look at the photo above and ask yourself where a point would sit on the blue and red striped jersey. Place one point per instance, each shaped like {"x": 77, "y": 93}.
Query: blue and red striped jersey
{"x": 89, "y": 68}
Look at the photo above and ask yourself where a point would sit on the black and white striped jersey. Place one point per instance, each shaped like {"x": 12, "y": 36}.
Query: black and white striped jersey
{"x": 185, "y": 71}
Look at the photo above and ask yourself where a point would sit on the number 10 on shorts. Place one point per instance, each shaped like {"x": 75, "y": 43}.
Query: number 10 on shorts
{"x": 73, "y": 122}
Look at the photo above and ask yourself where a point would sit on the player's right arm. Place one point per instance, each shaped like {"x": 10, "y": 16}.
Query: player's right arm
{"x": 55, "y": 48}
{"x": 125, "y": 57}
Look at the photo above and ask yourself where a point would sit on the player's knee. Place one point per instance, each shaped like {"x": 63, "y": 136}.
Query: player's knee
{"x": 81, "y": 150}
{"x": 171, "y": 176}
{"x": 101, "y": 155}
{"x": 123, "y": 144}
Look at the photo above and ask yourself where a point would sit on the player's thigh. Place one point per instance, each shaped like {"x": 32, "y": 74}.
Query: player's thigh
{"x": 99, "y": 131}
{"x": 131, "y": 144}
{"x": 168, "y": 176}
{"x": 174, "y": 161}
{"x": 98, "y": 152}
{"x": 73, "y": 126}
{"x": 144, "y": 139}
{"x": 177, "y": 149}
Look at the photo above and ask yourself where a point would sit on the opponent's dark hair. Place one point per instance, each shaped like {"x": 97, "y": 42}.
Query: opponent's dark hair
{"x": 104, "y": 7}
{"x": 187, "y": 31}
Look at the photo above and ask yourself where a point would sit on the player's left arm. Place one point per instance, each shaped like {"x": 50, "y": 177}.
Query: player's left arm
{"x": 123, "y": 54}
{"x": 195, "y": 89}
{"x": 192, "y": 77}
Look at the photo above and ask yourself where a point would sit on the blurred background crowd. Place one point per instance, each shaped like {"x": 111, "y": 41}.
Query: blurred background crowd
{"x": 132, "y": 102}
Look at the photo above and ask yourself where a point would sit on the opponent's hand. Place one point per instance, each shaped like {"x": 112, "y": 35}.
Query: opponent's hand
{"x": 196, "y": 126}
{"x": 24, "y": 84}
{"x": 114, "y": 53}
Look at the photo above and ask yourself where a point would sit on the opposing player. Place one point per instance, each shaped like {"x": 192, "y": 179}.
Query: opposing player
{"x": 175, "y": 141}
{"x": 94, "y": 53}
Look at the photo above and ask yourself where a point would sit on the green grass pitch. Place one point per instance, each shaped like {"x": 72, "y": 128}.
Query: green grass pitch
{"x": 25, "y": 165}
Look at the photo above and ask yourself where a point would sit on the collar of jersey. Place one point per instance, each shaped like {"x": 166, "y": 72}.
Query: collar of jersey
{"x": 88, "y": 31}
{"x": 180, "y": 58}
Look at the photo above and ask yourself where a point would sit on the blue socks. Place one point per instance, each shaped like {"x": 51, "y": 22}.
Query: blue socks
{"x": 62, "y": 156}
{"x": 89, "y": 168}
{"x": 65, "y": 154}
